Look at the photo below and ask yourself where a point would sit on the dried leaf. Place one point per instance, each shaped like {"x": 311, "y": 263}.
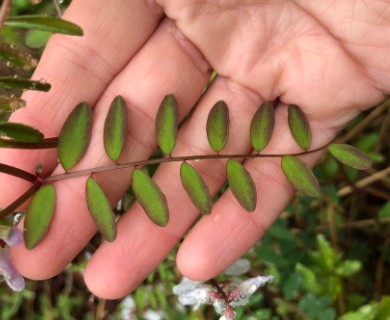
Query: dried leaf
{"x": 44, "y": 23}
{"x": 150, "y": 197}
{"x": 300, "y": 176}
{"x": 167, "y": 122}
{"x": 299, "y": 126}
{"x": 39, "y": 215}
{"x": 75, "y": 136}
{"x": 218, "y": 126}
{"x": 10, "y": 104}
{"x": 115, "y": 128}
{"x": 262, "y": 126}
{"x": 196, "y": 188}
{"x": 20, "y": 132}
{"x": 24, "y": 84}
{"x": 242, "y": 185}
{"x": 350, "y": 156}
{"x": 100, "y": 209}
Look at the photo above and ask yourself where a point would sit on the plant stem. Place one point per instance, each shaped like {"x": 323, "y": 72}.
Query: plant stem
{"x": 17, "y": 172}
{"x": 4, "y": 9}
{"x": 44, "y": 144}
{"x": 58, "y": 9}
{"x": 19, "y": 201}
{"x": 364, "y": 182}
{"x": 141, "y": 163}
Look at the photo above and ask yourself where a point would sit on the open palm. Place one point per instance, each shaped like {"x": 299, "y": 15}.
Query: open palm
{"x": 330, "y": 58}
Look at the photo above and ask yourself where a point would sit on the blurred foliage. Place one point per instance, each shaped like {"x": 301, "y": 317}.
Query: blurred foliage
{"x": 330, "y": 256}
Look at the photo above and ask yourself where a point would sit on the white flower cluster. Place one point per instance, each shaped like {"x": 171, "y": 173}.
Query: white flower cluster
{"x": 223, "y": 296}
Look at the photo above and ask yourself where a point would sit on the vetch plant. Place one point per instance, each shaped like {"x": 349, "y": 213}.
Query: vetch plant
{"x": 75, "y": 137}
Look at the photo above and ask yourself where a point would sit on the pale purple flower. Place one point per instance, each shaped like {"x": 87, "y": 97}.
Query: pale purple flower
{"x": 15, "y": 237}
{"x": 12, "y": 237}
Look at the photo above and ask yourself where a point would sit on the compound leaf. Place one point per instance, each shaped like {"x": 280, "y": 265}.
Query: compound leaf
{"x": 115, "y": 128}
{"x": 39, "y": 215}
{"x": 100, "y": 209}
{"x": 196, "y": 188}
{"x": 150, "y": 197}
{"x": 242, "y": 185}
{"x": 218, "y": 126}
{"x": 299, "y": 126}
{"x": 300, "y": 176}
{"x": 20, "y": 132}
{"x": 350, "y": 156}
{"x": 44, "y": 23}
{"x": 75, "y": 136}
{"x": 262, "y": 126}
{"x": 167, "y": 122}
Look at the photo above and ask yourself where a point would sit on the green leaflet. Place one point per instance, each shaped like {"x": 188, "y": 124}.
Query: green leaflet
{"x": 150, "y": 197}
{"x": 44, "y": 23}
{"x": 300, "y": 176}
{"x": 299, "y": 126}
{"x": 167, "y": 122}
{"x": 100, "y": 209}
{"x": 350, "y": 156}
{"x": 115, "y": 128}
{"x": 20, "y": 132}
{"x": 218, "y": 126}
{"x": 75, "y": 136}
{"x": 39, "y": 215}
{"x": 196, "y": 188}
{"x": 242, "y": 185}
{"x": 24, "y": 84}
{"x": 262, "y": 126}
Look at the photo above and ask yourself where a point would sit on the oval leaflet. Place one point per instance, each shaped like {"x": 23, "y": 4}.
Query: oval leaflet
{"x": 350, "y": 156}
{"x": 218, "y": 126}
{"x": 196, "y": 188}
{"x": 115, "y": 128}
{"x": 167, "y": 122}
{"x": 150, "y": 197}
{"x": 262, "y": 126}
{"x": 300, "y": 176}
{"x": 299, "y": 126}
{"x": 100, "y": 209}
{"x": 39, "y": 215}
{"x": 241, "y": 184}
{"x": 75, "y": 136}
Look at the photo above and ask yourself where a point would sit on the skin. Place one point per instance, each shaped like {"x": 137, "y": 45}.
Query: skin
{"x": 329, "y": 57}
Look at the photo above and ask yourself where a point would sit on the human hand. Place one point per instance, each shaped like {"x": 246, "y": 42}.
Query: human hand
{"x": 329, "y": 58}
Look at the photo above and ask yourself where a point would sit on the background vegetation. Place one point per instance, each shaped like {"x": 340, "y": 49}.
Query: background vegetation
{"x": 330, "y": 256}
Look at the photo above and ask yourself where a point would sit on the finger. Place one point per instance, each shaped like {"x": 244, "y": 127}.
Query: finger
{"x": 165, "y": 64}
{"x": 230, "y": 231}
{"x": 79, "y": 69}
{"x": 140, "y": 245}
